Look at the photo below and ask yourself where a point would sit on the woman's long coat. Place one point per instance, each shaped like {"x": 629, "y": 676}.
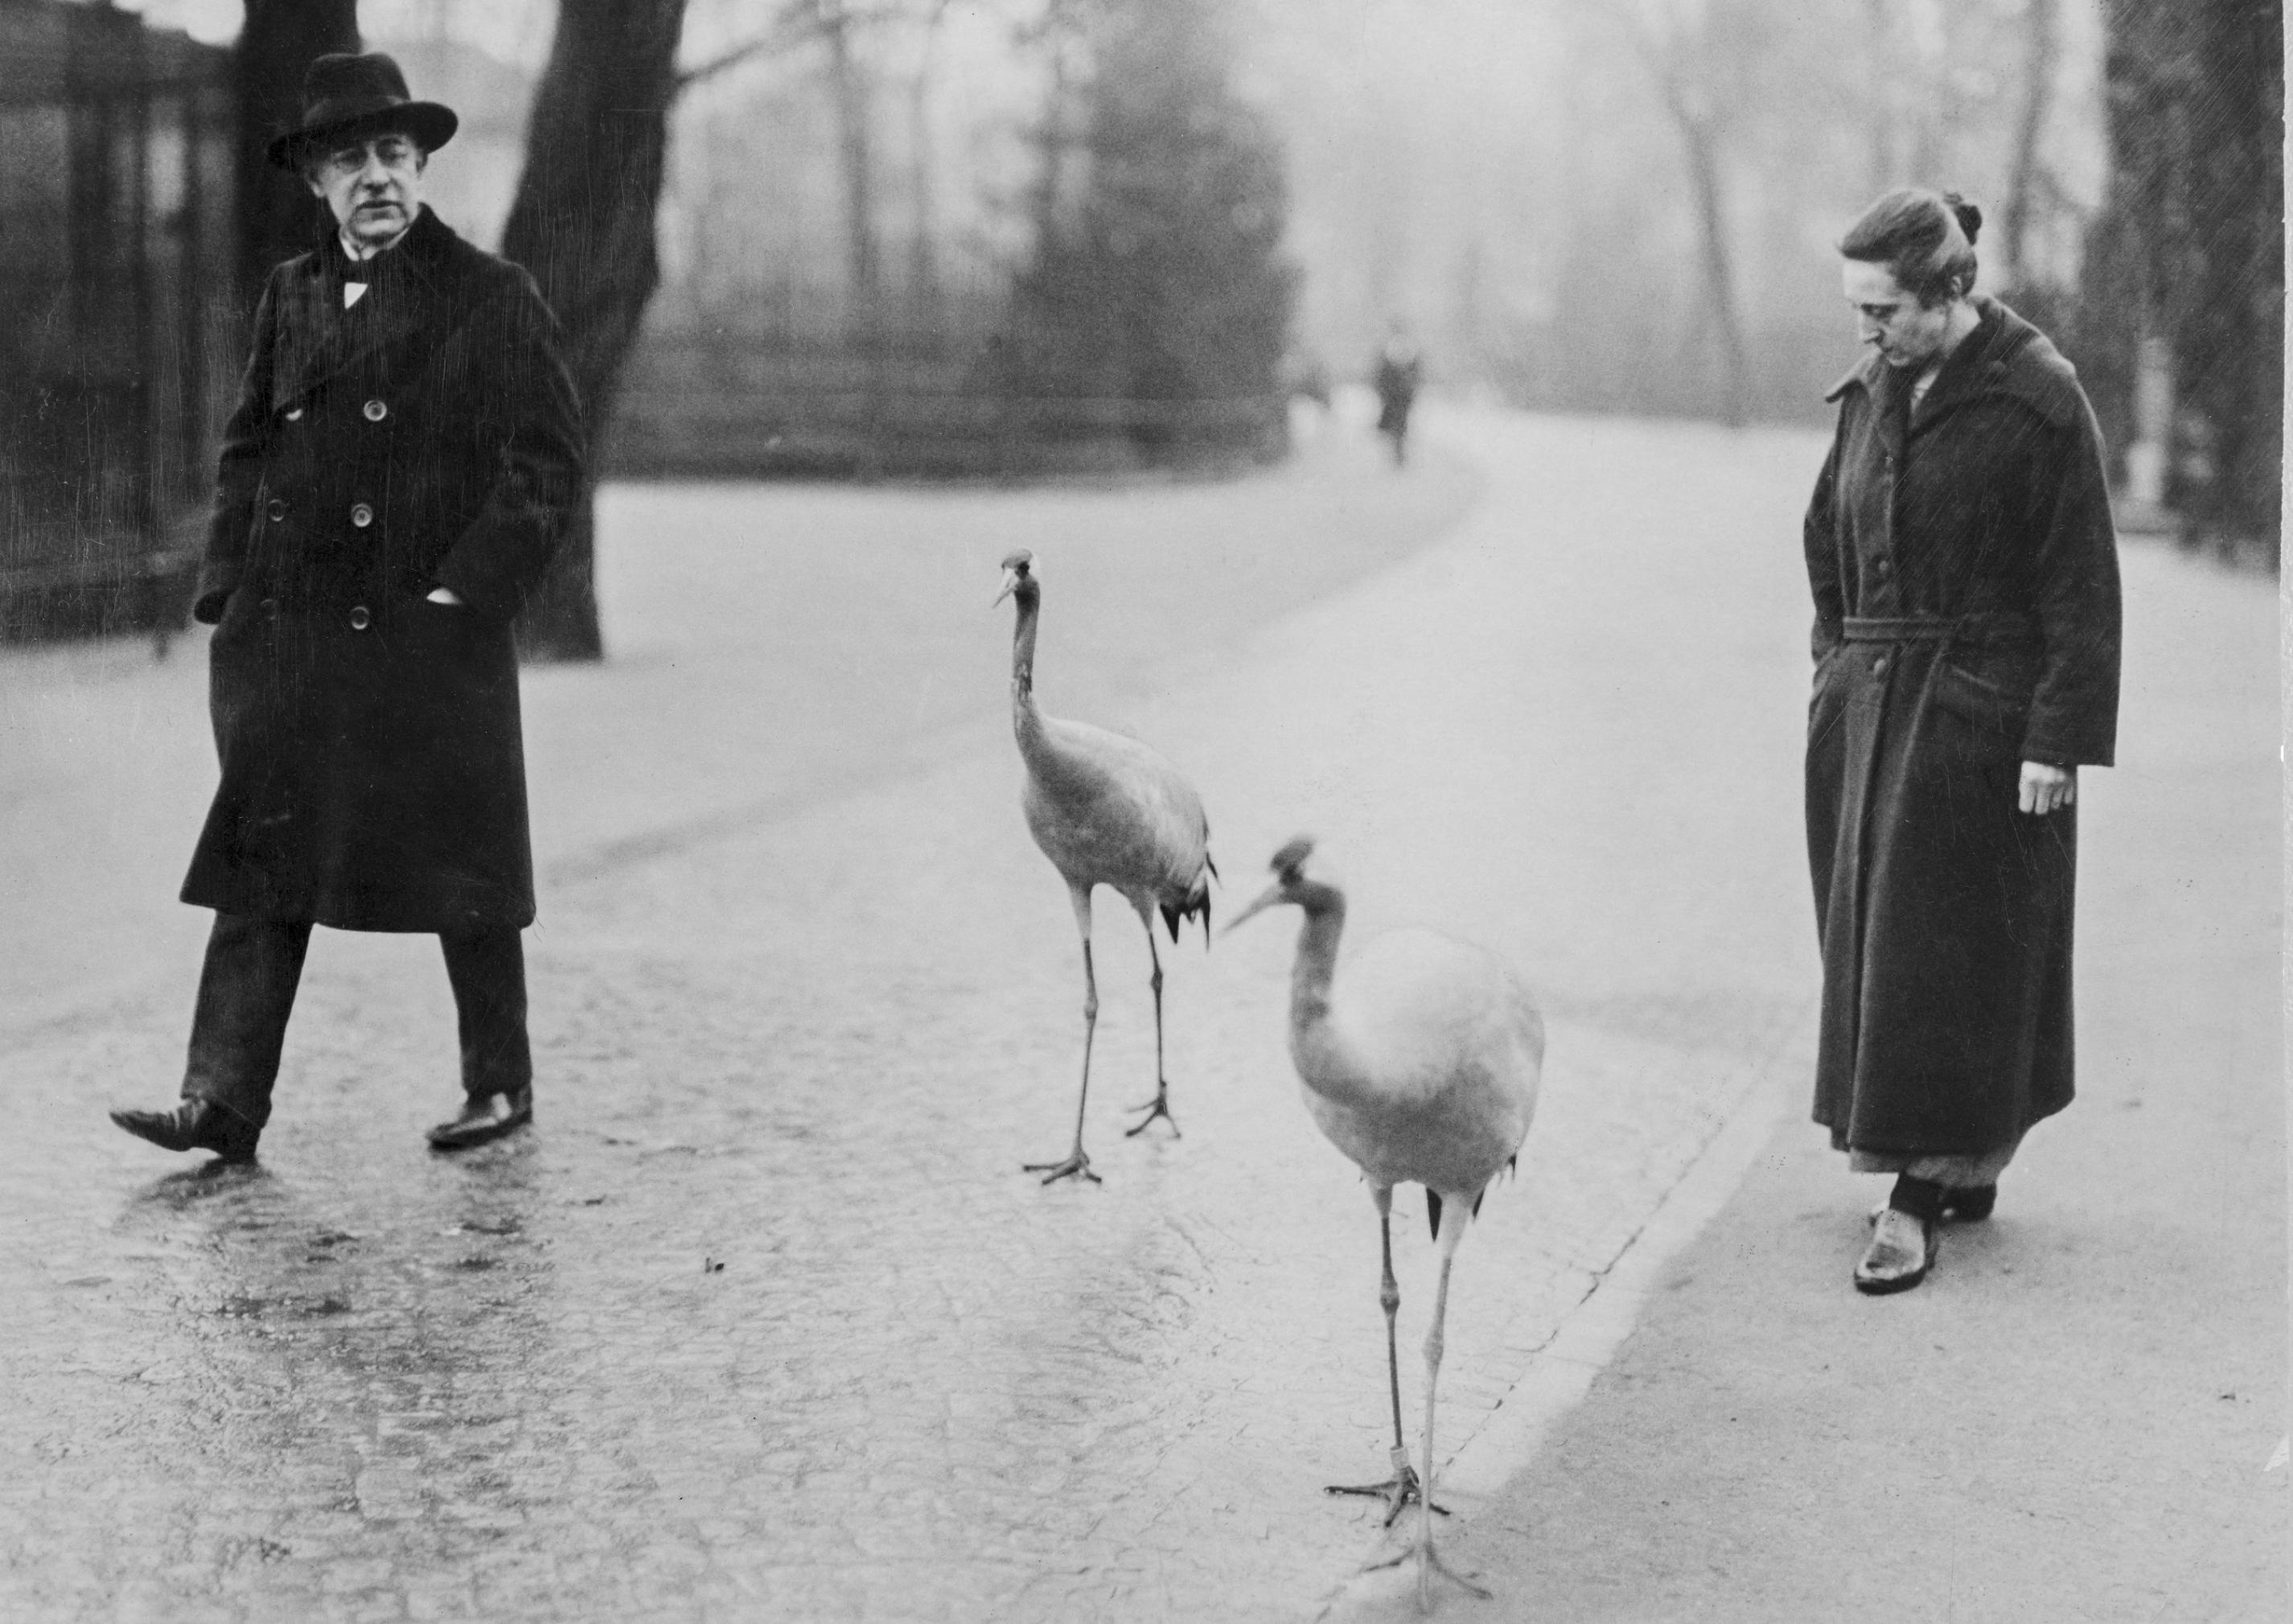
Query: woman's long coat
{"x": 1964, "y": 572}
{"x": 373, "y": 766}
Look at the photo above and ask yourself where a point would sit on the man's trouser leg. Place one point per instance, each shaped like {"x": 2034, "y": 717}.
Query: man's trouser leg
{"x": 488, "y": 971}
{"x": 246, "y": 991}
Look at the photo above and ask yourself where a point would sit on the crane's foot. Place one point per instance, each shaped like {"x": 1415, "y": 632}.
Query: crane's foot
{"x": 1429, "y": 1563}
{"x": 1160, "y": 1105}
{"x": 1076, "y": 1167}
{"x": 1397, "y": 1491}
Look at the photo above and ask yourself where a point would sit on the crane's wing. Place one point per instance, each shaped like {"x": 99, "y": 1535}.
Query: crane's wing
{"x": 1109, "y": 811}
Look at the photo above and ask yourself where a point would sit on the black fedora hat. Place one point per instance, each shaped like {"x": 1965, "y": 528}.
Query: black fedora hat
{"x": 348, "y": 97}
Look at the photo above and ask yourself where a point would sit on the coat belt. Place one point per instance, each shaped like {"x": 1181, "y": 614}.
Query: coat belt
{"x": 2002, "y": 628}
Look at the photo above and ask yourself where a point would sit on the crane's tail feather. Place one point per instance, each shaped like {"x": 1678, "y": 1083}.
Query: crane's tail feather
{"x": 1195, "y": 904}
{"x": 1433, "y": 1207}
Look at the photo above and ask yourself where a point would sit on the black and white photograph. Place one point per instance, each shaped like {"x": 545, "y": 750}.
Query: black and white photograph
{"x": 1031, "y": 811}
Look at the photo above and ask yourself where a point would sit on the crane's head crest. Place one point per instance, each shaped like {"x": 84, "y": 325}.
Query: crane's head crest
{"x": 1288, "y": 861}
{"x": 1016, "y": 578}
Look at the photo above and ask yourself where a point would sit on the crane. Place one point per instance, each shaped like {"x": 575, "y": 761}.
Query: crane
{"x": 1106, "y": 811}
{"x": 1421, "y": 1064}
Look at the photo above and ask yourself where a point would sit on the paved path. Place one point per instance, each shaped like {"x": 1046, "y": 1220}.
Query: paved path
{"x": 805, "y": 997}
{"x": 2072, "y": 1422}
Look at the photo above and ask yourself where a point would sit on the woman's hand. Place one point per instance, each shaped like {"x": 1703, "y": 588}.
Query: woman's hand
{"x": 2045, "y": 787}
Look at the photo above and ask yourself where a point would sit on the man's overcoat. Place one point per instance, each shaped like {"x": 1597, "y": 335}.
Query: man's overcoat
{"x": 1964, "y": 572}
{"x": 373, "y": 767}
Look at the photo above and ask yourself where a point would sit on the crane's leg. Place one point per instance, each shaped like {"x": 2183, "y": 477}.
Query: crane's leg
{"x": 1401, "y": 1488}
{"x": 1078, "y": 1165}
{"x": 1161, "y": 1104}
{"x": 1455, "y": 1215}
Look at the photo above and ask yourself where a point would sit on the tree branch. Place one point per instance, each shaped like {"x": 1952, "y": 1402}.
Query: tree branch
{"x": 787, "y": 37}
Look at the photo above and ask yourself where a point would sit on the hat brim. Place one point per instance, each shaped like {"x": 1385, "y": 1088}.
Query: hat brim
{"x": 431, "y": 124}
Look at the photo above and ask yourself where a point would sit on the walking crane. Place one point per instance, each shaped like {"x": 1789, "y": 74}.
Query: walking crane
{"x": 1421, "y": 1064}
{"x": 1106, "y": 811}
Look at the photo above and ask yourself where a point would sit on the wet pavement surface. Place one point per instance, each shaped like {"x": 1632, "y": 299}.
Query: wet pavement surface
{"x": 761, "y": 1318}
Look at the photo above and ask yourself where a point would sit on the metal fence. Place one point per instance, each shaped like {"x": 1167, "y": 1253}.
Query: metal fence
{"x": 117, "y": 325}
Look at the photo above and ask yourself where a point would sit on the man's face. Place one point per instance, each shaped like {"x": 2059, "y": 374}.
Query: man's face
{"x": 1907, "y": 334}
{"x": 374, "y": 186}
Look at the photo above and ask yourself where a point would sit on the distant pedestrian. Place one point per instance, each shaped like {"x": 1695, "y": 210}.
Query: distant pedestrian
{"x": 1401, "y": 370}
{"x": 405, "y": 456}
{"x": 1965, "y": 570}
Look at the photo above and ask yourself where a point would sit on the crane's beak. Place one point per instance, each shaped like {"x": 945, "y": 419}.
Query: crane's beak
{"x": 1010, "y": 585}
{"x": 1264, "y": 900}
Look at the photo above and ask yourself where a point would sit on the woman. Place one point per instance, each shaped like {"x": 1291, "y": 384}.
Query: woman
{"x": 1966, "y": 640}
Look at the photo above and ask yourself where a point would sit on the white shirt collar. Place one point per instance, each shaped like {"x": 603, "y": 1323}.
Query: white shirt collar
{"x": 359, "y": 252}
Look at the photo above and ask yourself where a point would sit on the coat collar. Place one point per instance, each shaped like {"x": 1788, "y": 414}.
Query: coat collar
{"x": 2004, "y": 356}
{"x": 319, "y": 340}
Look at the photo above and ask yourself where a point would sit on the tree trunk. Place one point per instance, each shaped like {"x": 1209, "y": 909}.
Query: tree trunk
{"x": 848, "y": 82}
{"x": 1055, "y": 34}
{"x": 924, "y": 263}
{"x": 1670, "y": 60}
{"x": 279, "y": 41}
{"x": 583, "y": 223}
{"x": 2043, "y": 54}
{"x": 1720, "y": 266}
{"x": 1884, "y": 94}
{"x": 2196, "y": 186}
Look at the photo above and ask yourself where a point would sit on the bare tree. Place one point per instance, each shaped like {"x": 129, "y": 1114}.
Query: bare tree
{"x": 849, "y": 85}
{"x": 583, "y": 222}
{"x": 1681, "y": 48}
{"x": 2042, "y": 58}
{"x": 1885, "y": 95}
{"x": 277, "y": 42}
{"x": 922, "y": 179}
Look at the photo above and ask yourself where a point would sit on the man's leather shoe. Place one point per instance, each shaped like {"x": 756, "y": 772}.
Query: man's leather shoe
{"x": 196, "y": 1124}
{"x": 484, "y": 1117}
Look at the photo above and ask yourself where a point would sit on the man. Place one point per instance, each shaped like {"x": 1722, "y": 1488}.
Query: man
{"x": 1400, "y": 368}
{"x": 404, "y": 458}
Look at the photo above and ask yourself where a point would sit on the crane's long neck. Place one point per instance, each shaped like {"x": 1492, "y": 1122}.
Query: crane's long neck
{"x": 1324, "y": 1059}
{"x": 1025, "y": 719}
{"x": 1030, "y": 600}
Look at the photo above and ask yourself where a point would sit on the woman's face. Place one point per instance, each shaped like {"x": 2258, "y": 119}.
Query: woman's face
{"x": 1907, "y": 334}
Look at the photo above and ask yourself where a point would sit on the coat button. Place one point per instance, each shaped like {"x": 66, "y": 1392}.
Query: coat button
{"x": 360, "y": 618}
{"x": 361, "y": 516}
{"x": 269, "y": 606}
{"x": 277, "y": 510}
{"x": 1883, "y": 567}
{"x": 376, "y": 411}
{"x": 1879, "y": 665}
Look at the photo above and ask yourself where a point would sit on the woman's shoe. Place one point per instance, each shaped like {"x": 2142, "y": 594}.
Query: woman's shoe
{"x": 1902, "y": 1250}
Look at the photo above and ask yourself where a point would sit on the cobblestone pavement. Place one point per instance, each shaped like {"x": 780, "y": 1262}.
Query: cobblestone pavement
{"x": 762, "y": 1319}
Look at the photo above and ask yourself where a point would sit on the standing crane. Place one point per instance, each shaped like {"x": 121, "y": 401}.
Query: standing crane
{"x": 1106, "y": 811}
{"x": 1422, "y": 1066}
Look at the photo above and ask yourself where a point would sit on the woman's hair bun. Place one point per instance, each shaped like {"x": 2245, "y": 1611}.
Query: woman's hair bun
{"x": 1970, "y": 218}
{"x": 1908, "y": 232}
